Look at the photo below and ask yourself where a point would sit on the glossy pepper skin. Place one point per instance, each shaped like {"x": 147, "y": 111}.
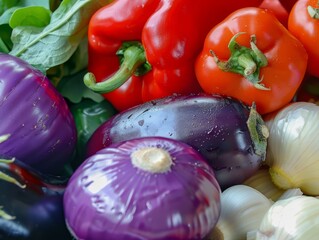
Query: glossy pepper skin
{"x": 88, "y": 116}
{"x": 31, "y": 204}
{"x": 276, "y": 7}
{"x": 251, "y": 56}
{"x": 303, "y": 23}
{"x": 169, "y": 36}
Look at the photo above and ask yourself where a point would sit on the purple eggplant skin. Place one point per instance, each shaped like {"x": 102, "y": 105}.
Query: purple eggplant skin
{"x": 37, "y": 209}
{"x": 41, "y": 126}
{"x": 216, "y": 126}
{"x": 111, "y": 197}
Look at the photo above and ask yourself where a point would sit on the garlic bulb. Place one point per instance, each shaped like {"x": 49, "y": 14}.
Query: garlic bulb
{"x": 294, "y": 218}
{"x": 293, "y": 147}
{"x": 262, "y": 182}
{"x": 242, "y": 209}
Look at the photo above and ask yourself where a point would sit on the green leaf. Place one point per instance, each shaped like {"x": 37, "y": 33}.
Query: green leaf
{"x": 30, "y": 16}
{"x": 54, "y": 44}
{"x": 6, "y": 4}
{"x": 5, "y": 41}
{"x": 3, "y": 47}
{"x": 42, "y": 3}
{"x": 73, "y": 89}
{"x": 5, "y": 17}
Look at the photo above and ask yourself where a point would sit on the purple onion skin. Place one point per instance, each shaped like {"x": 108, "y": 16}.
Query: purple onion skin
{"x": 108, "y": 197}
{"x": 43, "y": 133}
{"x": 212, "y": 124}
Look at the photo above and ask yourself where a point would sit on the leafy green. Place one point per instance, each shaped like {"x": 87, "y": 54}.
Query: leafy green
{"x": 52, "y": 36}
{"x": 8, "y": 9}
{"x": 7, "y": 4}
{"x": 74, "y": 89}
{"x": 37, "y": 16}
{"x": 49, "y": 46}
{"x": 5, "y": 41}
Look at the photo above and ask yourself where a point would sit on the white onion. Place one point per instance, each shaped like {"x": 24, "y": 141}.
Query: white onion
{"x": 293, "y": 147}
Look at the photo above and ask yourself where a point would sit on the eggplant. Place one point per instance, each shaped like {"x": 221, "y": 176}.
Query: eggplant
{"x": 150, "y": 188}
{"x": 229, "y": 134}
{"x": 31, "y": 204}
{"x": 36, "y": 116}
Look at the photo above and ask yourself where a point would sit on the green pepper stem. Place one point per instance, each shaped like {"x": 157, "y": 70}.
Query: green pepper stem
{"x": 313, "y": 12}
{"x": 244, "y": 61}
{"x": 133, "y": 57}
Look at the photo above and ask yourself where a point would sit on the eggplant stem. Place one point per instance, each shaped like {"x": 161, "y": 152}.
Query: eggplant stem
{"x": 258, "y": 131}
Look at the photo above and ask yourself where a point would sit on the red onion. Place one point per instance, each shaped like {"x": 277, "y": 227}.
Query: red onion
{"x": 145, "y": 188}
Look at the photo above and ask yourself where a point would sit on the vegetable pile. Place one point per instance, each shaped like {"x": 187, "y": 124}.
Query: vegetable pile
{"x": 159, "y": 120}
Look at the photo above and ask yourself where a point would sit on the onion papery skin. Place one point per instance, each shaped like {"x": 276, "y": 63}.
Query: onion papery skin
{"x": 108, "y": 197}
{"x": 41, "y": 126}
{"x": 293, "y": 147}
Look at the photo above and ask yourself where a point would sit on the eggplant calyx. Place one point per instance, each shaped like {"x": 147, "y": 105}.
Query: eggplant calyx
{"x": 8, "y": 178}
{"x": 152, "y": 159}
{"x": 313, "y": 12}
{"x": 133, "y": 62}
{"x": 258, "y": 131}
{"x": 244, "y": 61}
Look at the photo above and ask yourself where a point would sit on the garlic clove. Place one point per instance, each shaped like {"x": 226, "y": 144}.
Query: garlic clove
{"x": 262, "y": 182}
{"x": 242, "y": 209}
{"x": 294, "y": 218}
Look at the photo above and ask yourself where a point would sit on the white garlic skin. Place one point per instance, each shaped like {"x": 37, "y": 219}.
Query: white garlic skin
{"x": 242, "y": 210}
{"x": 262, "y": 182}
{"x": 294, "y": 218}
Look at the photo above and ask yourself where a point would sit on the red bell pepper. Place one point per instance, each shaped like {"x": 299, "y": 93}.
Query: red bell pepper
{"x": 303, "y": 23}
{"x": 276, "y": 7}
{"x": 141, "y": 50}
{"x": 251, "y": 56}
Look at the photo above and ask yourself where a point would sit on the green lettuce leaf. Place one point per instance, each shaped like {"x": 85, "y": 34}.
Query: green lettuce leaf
{"x": 49, "y": 46}
{"x": 37, "y": 16}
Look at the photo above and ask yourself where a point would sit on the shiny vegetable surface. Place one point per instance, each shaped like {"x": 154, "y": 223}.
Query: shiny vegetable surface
{"x": 276, "y": 7}
{"x": 142, "y": 50}
{"x": 251, "y": 56}
{"x": 31, "y": 204}
{"x": 304, "y": 24}
{"x": 144, "y": 188}
{"x": 215, "y": 126}
{"x": 288, "y": 4}
{"x": 88, "y": 116}
{"x": 35, "y": 115}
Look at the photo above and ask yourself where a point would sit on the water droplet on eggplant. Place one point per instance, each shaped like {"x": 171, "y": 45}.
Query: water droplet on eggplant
{"x": 141, "y": 122}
